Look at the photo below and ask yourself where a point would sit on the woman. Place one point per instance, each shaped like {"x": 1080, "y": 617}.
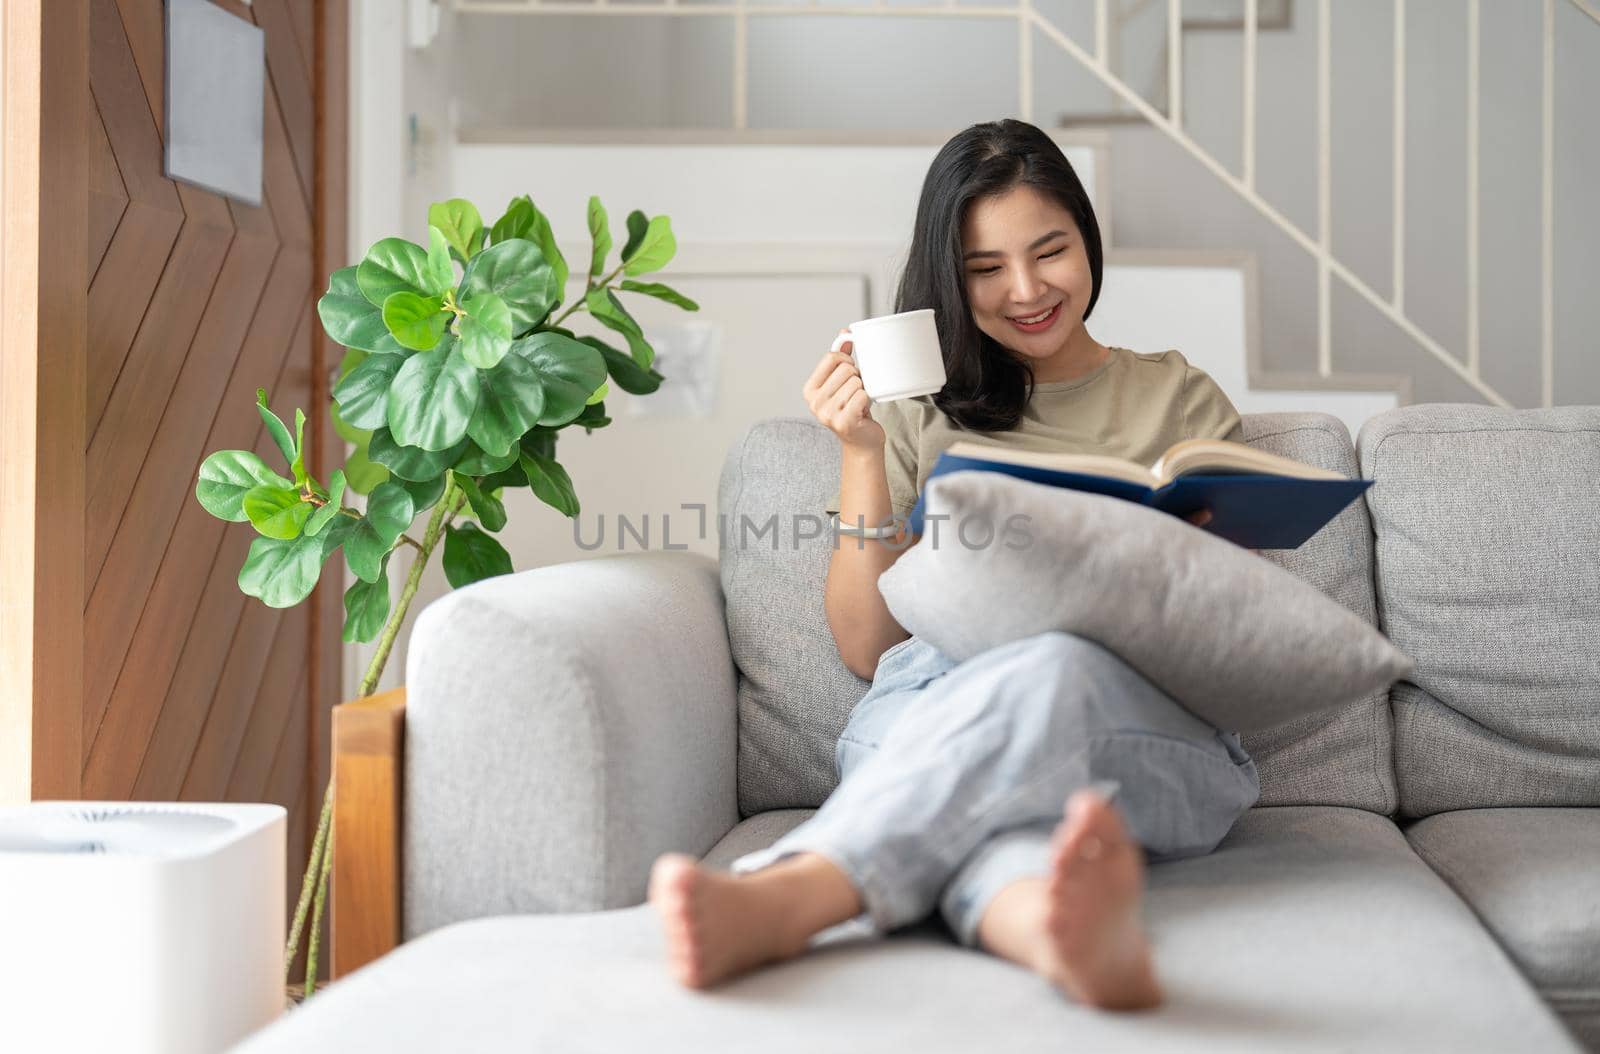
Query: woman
{"x": 953, "y": 775}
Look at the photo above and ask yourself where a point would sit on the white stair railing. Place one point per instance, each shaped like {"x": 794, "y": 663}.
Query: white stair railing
{"x": 1171, "y": 124}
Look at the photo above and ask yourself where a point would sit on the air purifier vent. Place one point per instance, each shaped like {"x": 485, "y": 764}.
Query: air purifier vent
{"x": 124, "y": 830}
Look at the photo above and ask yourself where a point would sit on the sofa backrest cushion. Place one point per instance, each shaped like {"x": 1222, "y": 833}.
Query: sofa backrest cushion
{"x": 1488, "y": 575}
{"x": 1344, "y": 758}
{"x": 795, "y": 693}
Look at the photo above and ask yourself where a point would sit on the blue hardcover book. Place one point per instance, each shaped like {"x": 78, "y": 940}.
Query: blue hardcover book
{"x": 1257, "y": 500}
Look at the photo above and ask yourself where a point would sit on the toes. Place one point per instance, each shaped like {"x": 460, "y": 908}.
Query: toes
{"x": 672, "y": 875}
{"x": 1092, "y": 829}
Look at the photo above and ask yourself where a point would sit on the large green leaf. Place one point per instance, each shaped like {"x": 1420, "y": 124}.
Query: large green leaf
{"x": 424, "y": 495}
{"x": 439, "y": 269}
{"x": 459, "y": 222}
{"x": 604, "y": 305}
{"x": 510, "y": 476}
{"x": 511, "y": 401}
{"x": 524, "y": 220}
{"x": 593, "y": 416}
{"x": 282, "y": 572}
{"x": 475, "y": 461}
{"x": 275, "y": 427}
{"x": 395, "y": 265}
{"x": 351, "y": 319}
{"x": 298, "y": 464}
{"x": 517, "y": 272}
{"x": 629, "y": 375}
{"x": 276, "y": 512}
{"x": 489, "y": 510}
{"x": 541, "y": 441}
{"x": 471, "y": 556}
{"x": 569, "y": 372}
{"x": 409, "y": 462}
{"x": 600, "y": 234}
{"x": 550, "y": 482}
{"x": 226, "y": 476}
{"x": 417, "y": 322}
{"x": 656, "y": 247}
{"x": 327, "y": 512}
{"x": 363, "y": 395}
{"x": 660, "y": 292}
{"x": 366, "y": 606}
{"x": 516, "y": 222}
{"x": 485, "y": 330}
{"x": 389, "y": 513}
{"x": 638, "y": 224}
{"x": 432, "y": 399}
{"x": 353, "y": 357}
{"x": 361, "y": 471}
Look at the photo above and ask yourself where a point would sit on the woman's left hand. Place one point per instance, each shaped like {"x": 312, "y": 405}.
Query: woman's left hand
{"x": 1201, "y": 517}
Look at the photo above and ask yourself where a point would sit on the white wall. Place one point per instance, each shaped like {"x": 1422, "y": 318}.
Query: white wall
{"x": 856, "y": 73}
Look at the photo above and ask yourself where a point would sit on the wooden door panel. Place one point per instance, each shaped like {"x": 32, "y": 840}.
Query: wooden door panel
{"x": 190, "y": 690}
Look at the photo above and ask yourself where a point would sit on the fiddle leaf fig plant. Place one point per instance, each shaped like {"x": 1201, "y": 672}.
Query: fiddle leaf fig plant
{"x": 457, "y": 380}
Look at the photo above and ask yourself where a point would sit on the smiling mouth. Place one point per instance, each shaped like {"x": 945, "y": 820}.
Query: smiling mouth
{"x": 1039, "y": 322}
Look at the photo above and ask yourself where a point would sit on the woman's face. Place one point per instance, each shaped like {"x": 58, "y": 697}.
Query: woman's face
{"x": 1022, "y": 255}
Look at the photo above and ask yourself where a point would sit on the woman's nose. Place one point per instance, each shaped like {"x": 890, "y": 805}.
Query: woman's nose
{"x": 1026, "y": 289}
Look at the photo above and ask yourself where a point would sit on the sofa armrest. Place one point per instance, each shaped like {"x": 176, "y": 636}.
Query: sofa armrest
{"x": 564, "y": 726}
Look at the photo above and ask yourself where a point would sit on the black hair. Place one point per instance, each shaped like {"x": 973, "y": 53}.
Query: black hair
{"x": 986, "y": 385}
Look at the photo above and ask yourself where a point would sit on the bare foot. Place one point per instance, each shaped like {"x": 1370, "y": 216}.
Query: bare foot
{"x": 719, "y": 925}
{"x": 1096, "y": 951}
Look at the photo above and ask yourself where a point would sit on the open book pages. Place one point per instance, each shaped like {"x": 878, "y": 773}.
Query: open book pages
{"x": 1188, "y": 456}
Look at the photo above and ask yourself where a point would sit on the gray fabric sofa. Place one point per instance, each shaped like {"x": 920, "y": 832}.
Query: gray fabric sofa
{"x": 1422, "y": 871}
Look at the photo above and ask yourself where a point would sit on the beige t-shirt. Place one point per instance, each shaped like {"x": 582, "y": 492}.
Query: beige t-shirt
{"x": 1133, "y": 406}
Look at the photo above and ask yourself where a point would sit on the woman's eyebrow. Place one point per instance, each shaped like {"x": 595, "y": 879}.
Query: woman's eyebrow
{"x": 993, "y": 252}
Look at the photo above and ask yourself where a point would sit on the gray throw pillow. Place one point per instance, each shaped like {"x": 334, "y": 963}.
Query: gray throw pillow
{"x": 1238, "y": 641}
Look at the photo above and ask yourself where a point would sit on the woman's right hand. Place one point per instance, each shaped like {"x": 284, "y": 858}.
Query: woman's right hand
{"x": 837, "y": 399}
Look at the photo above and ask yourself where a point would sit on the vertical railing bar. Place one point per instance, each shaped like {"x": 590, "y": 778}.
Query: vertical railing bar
{"x": 1399, "y": 224}
{"x": 1263, "y": 208}
{"x": 1474, "y": 55}
{"x": 1547, "y": 210}
{"x": 1100, "y": 32}
{"x": 1324, "y": 190}
{"x": 1025, "y": 60}
{"x": 741, "y": 88}
{"x": 1175, "y": 62}
{"x": 1250, "y": 19}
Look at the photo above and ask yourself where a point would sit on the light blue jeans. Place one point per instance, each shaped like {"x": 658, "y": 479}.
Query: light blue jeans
{"x": 953, "y": 775}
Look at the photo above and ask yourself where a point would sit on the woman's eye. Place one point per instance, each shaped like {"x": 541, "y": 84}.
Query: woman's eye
{"x": 1046, "y": 256}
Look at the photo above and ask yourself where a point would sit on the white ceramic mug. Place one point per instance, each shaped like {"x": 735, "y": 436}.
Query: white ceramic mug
{"x": 898, "y": 355}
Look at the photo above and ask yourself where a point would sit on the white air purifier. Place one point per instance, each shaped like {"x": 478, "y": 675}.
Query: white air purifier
{"x": 133, "y": 926}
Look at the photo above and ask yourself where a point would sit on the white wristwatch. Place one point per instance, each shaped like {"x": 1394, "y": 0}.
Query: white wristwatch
{"x": 888, "y": 531}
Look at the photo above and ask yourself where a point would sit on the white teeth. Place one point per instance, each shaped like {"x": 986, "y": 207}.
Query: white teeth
{"x": 1036, "y": 318}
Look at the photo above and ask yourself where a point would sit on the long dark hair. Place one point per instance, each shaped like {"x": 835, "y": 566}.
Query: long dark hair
{"x": 986, "y": 385}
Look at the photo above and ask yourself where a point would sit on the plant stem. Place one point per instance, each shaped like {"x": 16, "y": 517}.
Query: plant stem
{"x": 313, "y": 865}
{"x": 577, "y": 303}
{"x": 316, "y": 918}
{"x": 429, "y": 540}
{"x": 315, "y": 883}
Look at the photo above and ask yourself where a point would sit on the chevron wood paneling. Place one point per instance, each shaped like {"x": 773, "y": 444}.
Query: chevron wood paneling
{"x": 191, "y": 690}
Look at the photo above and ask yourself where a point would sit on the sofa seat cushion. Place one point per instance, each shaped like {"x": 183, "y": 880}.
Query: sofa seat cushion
{"x": 1533, "y": 877}
{"x": 1310, "y": 928}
